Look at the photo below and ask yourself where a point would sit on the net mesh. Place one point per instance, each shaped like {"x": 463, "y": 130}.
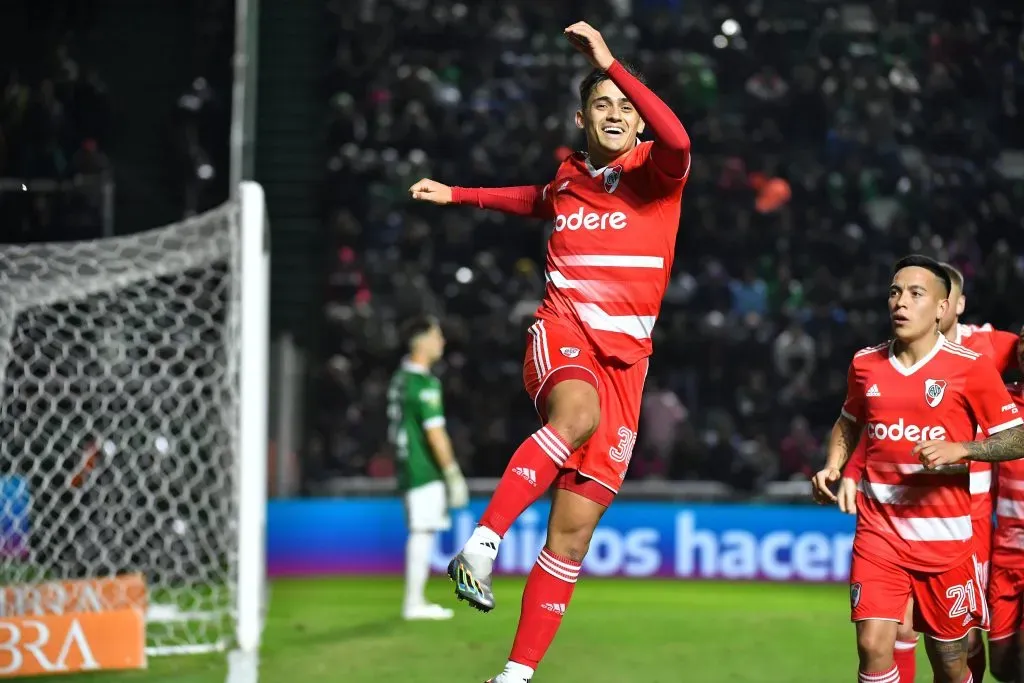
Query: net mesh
{"x": 118, "y": 406}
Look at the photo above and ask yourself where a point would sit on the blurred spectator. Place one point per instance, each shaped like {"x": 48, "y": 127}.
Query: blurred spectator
{"x": 54, "y": 176}
{"x": 662, "y": 415}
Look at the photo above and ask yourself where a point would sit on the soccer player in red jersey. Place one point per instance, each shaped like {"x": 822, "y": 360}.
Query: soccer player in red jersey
{"x": 616, "y": 212}
{"x": 914, "y": 535}
{"x": 1006, "y": 580}
{"x": 1001, "y": 348}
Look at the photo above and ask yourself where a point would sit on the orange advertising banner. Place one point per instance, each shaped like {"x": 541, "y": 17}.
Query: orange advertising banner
{"x": 65, "y": 597}
{"x": 68, "y": 643}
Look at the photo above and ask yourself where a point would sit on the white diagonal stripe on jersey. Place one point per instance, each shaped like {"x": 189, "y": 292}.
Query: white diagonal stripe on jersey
{"x": 551, "y": 445}
{"x": 895, "y": 494}
{"x": 981, "y": 481}
{"x": 594, "y": 290}
{"x": 545, "y": 352}
{"x": 1007, "y": 507}
{"x": 1006, "y": 483}
{"x": 933, "y": 528}
{"x": 636, "y": 326}
{"x": 610, "y": 261}
{"x": 891, "y": 494}
{"x": 1015, "y": 422}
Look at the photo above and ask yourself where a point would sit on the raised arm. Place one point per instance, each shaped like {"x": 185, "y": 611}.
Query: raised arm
{"x": 671, "y": 149}
{"x": 522, "y": 200}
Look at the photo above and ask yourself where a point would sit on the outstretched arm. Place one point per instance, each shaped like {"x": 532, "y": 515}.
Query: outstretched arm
{"x": 523, "y": 200}
{"x": 671, "y": 149}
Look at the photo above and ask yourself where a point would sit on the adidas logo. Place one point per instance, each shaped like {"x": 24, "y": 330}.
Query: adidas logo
{"x": 873, "y": 391}
{"x": 527, "y": 474}
{"x": 488, "y": 544}
{"x": 556, "y": 607}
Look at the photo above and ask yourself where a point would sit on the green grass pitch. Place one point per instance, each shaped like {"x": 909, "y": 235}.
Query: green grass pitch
{"x": 615, "y": 631}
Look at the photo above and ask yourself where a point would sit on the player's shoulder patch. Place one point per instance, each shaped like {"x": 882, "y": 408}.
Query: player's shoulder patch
{"x": 430, "y": 395}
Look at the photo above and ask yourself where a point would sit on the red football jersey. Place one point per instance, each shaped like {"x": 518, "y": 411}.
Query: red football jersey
{"x": 1001, "y": 348}
{"x": 914, "y": 517}
{"x": 1008, "y": 539}
{"x": 609, "y": 257}
{"x": 999, "y": 345}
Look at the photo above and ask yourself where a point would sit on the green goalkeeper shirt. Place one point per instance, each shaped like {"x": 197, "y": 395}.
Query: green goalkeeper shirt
{"x": 414, "y": 406}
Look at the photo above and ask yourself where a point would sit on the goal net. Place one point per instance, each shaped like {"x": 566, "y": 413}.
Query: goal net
{"x": 123, "y": 412}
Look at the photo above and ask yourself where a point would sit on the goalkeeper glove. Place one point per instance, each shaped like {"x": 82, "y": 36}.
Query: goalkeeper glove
{"x": 458, "y": 490}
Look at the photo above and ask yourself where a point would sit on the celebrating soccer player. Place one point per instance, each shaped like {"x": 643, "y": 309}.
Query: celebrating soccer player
{"x": 427, "y": 470}
{"x": 1001, "y": 348}
{"x": 914, "y": 535}
{"x": 616, "y": 214}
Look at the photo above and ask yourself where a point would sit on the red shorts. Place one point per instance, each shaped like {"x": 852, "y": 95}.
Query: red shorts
{"x": 947, "y": 605}
{"x": 1005, "y": 596}
{"x": 556, "y": 353}
{"x": 981, "y": 532}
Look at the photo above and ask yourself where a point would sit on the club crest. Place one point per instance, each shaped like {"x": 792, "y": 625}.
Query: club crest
{"x": 854, "y": 595}
{"x": 569, "y": 351}
{"x": 611, "y": 178}
{"x": 934, "y": 390}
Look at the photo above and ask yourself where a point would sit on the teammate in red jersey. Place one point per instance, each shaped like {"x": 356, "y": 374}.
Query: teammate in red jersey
{"x": 616, "y": 213}
{"x": 1001, "y": 348}
{"x": 914, "y": 536}
{"x": 1006, "y": 580}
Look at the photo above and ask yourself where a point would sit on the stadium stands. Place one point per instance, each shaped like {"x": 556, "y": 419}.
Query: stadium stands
{"x": 53, "y": 126}
{"x": 828, "y": 138}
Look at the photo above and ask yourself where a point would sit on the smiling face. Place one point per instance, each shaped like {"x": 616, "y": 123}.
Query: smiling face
{"x": 610, "y": 122}
{"x": 917, "y": 301}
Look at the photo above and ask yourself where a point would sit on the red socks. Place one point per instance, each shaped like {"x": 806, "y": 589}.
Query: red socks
{"x": 890, "y": 676}
{"x": 529, "y": 474}
{"x": 905, "y": 656}
{"x": 547, "y": 594}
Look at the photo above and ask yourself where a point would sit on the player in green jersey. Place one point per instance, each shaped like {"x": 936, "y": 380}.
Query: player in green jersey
{"x": 428, "y": 474}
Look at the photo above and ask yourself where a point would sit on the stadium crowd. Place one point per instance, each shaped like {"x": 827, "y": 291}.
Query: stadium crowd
{"x": 53, "y": 123}
{"x": 828, "y": 139}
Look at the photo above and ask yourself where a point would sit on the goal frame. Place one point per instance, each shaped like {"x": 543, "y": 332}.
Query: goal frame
{"x": 253, "y": 435}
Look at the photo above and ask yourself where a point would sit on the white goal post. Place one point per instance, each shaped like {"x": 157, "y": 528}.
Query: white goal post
{"x": 133, "y": 420}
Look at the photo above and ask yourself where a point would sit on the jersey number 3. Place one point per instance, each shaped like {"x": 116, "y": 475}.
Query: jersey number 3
{"x": 624, "y": 450}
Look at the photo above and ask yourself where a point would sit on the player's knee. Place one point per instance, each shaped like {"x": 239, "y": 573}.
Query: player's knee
{"x": 874, "y": 647}
{"x": 570, "y": 542}
{"x": 571, "y": 526}
{"x": 574, "y": 411}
